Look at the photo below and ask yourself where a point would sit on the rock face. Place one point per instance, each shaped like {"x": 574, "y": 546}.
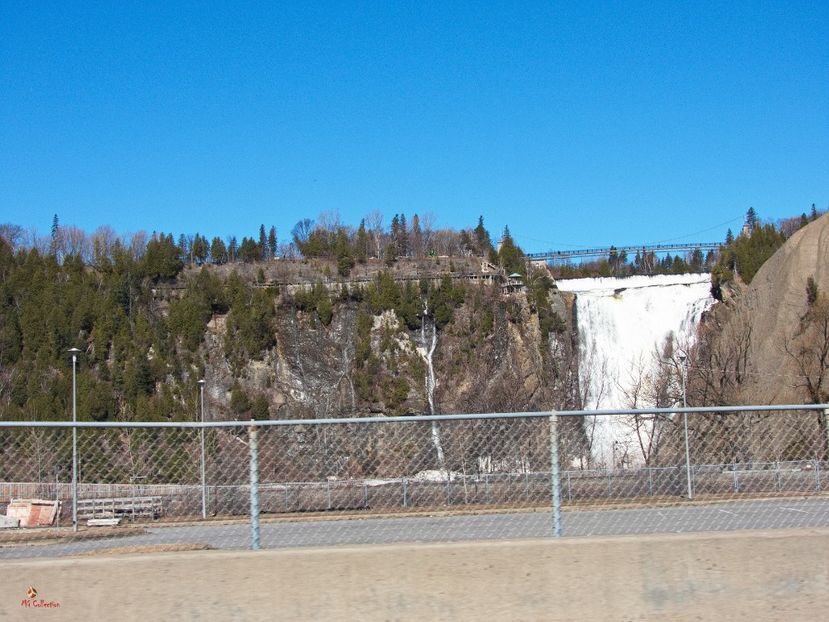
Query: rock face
{"x": 774, "y": 307}
{"x": 498, "y": 364}
{"x": 491, "y": 356}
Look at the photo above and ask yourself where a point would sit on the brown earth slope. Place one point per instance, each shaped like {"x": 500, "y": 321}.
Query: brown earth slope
{"x": 775, "y": 305}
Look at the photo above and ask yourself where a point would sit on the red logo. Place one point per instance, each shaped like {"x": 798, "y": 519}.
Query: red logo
{"x": 33, "y": 602}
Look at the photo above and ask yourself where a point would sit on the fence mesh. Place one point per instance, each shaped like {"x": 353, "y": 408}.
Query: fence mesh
{"x": 409, "y": 480}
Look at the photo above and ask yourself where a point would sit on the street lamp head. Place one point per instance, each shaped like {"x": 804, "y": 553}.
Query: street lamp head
{"x": 201, "y": 382}
{"x": 73, "y": 351}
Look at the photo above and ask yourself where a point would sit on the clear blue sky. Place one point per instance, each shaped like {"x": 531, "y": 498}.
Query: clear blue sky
{"x": 573, "y": 123}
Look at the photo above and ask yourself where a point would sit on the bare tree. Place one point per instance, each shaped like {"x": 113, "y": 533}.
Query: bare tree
{"x": 720, "y": 358}
{"x": 138, "y": 244}
{"x": 103, "y": 240}
{"x": 13, "y": 234}
{"x": 75, "y": 243}
{"x": 427, "y": 227}
{"x": 652, "y": 383}
{"x": 808, "y": 347}
{"x": 329, "y": 221}
{"x": 593, "y": 386}
{"x": 374, "y": 224}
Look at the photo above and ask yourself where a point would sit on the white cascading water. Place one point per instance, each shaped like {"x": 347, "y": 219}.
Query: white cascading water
{"x": 623, "y": 324}
{"x": 427, "y": 350}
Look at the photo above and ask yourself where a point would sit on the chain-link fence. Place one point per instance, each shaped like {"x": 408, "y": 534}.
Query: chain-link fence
{"x": 143, "y": 486}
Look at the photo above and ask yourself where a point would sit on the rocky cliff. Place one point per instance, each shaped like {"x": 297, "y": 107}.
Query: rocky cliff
{"x": 770, "y": 326}
{"x": 490, "y": 356}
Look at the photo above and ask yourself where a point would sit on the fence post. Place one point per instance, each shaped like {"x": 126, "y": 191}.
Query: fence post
{"x": 555, "y": 475}
{"x": 405, "y": 494}
{"x": 826, "y": 429}
{"x": 690, "y": 488}
{"x": 254, "y": 486}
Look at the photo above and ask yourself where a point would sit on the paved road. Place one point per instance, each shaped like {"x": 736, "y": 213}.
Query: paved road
{"x": 757, "y": 514}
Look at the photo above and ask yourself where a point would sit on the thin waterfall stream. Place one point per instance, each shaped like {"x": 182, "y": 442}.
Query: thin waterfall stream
{"x": 427, "y": 351}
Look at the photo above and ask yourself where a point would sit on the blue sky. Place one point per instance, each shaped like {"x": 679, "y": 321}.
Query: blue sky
{"x": 576, "y": 124}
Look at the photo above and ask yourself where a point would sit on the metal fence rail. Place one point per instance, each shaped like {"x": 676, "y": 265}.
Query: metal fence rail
{"x": 442, "y": 478}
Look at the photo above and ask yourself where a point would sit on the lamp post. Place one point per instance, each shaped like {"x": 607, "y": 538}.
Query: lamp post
{"x": 203, "y": 472}
{"x": 74, "y": 352}
{"x": 684, "y": 360}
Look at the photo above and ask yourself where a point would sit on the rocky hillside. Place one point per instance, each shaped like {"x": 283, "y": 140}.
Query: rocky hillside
{"x": 487, "y": 353}
{"x": 768, "y": 344}
{"x": 766, "y": 341}
{"x": 278, "y": 339}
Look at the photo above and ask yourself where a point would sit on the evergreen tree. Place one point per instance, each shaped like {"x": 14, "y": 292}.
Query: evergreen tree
{"x": 263, "y": 243}
{"x": 362, "y": 242}
{"x": 696, "y": 261}
{"x": 729, "y": 237}
{"x": 813, "y": 214}
{"x": 249, "y": 250}
{"x": 55, "y": 240}
{"x": 162, "y": 259}
{"x": 272, "y": 242}
{"x": 394, "y": 232}
{"x": 751, "y": 219}
{"x": 416, "y": 238}
{"x": 403, "y": 237}
{"x": 343, "y": 252}
{"x": 748, "y": 252}
{"x": 482, "y": 239}
{"x": 183, "y": 248}
{"x": 218, "y": 251}
{"x": 199, "y": 249}
{"x": 510, "y": 256}
{"x": 232, "y": 249}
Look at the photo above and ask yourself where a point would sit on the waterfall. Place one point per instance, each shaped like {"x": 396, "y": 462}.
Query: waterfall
{"x": 623, "y": 324}
{"x": 427, "y": 350}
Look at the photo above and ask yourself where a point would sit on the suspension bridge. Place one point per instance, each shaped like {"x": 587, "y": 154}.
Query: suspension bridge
{"x": 629, "y": 250}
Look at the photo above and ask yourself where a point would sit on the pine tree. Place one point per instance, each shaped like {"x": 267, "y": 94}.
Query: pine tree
{"x": 813, "y": 214}
{"x": 510, "y": 256}
{"x": 416, "y": 238}
{"x": 729, "y": 237}
{"x": 403, "y": 237}
{"x": 53, "y": 245}
{"x": 751, "y": 219}
{"x": 199, "y": 249}
{"x": 361, "y": 243}
{"x": 482, "y": 239}
{"x": 263, "y": 243}
{"x": 218, "y": 251}
{"x": 272, "y": 242}
{"x": 183, "y": 248}
{"x": 395, "y": 230}
{"x": 232, "y": 249}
